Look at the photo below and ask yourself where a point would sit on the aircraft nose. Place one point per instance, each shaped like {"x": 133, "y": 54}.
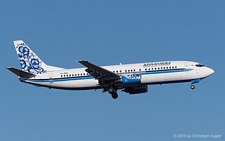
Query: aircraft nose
{"x": 210, "y": 71}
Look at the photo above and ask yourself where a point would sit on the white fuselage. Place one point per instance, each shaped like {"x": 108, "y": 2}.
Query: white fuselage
{"x": 151, "y": 73}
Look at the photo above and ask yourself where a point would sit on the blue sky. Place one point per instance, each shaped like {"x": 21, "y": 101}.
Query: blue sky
{"x": 105, "y": 33}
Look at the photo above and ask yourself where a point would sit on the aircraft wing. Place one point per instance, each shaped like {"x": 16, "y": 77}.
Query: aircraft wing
{"x": 99, "y": 72}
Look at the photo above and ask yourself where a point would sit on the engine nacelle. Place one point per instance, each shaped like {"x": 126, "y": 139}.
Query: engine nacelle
{"x": 136, "y": 89}
{"x": 131, "y": 78}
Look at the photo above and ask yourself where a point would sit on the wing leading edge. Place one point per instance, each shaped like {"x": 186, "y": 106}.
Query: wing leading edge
{"x": 103, "y": 75}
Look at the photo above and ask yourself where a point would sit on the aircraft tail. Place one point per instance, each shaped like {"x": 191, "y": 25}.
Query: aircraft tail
{"x": 29, "y": 61}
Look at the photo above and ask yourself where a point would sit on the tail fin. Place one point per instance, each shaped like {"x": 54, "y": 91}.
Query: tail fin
{"x": 29, "y": 61}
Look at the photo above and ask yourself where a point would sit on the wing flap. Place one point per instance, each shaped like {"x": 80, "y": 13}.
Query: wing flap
{"x": 20, "y": 73}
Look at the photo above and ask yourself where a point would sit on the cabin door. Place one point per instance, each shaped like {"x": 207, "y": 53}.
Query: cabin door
{"x": 186, "y": 65}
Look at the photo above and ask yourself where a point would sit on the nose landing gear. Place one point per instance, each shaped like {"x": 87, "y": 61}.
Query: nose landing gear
{"x": 192, "y": 87}
{"x": 193, "y": 82}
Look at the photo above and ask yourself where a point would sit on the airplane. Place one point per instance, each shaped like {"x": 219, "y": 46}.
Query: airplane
{"x": 129, "y": 78}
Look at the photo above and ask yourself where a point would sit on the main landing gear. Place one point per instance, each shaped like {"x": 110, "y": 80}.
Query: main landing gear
{"x": 113, "y": 93}
{"x": 192, "y": 87}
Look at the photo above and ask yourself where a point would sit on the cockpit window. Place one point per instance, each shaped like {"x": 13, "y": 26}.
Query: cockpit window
{"x": 199, "y": 65}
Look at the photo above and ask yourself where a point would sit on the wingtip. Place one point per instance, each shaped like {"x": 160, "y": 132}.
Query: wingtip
{"x": 82, "y": 61}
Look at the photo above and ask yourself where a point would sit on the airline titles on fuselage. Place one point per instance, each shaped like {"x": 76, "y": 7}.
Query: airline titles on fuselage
{"x": 156, "y": 64}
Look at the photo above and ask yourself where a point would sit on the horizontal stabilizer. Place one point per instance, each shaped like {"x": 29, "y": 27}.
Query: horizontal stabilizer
{"x": 21, "y": 73}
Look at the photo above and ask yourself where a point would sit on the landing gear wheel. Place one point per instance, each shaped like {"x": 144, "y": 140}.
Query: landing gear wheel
{"x": 114, "y": 95}
{"x": 192, "y": 87}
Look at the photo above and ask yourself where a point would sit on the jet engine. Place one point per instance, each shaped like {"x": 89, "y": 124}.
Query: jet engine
{"x": 136, "y": 89}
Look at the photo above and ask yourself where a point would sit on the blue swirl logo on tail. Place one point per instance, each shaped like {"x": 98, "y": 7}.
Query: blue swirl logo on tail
{"x": 28, "y": 60}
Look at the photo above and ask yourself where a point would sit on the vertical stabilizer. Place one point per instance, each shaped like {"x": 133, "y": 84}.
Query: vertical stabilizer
{"x": 29, "y": 61}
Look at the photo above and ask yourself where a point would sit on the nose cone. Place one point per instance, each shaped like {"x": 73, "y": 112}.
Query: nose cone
{"x": 209, "y": 71}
